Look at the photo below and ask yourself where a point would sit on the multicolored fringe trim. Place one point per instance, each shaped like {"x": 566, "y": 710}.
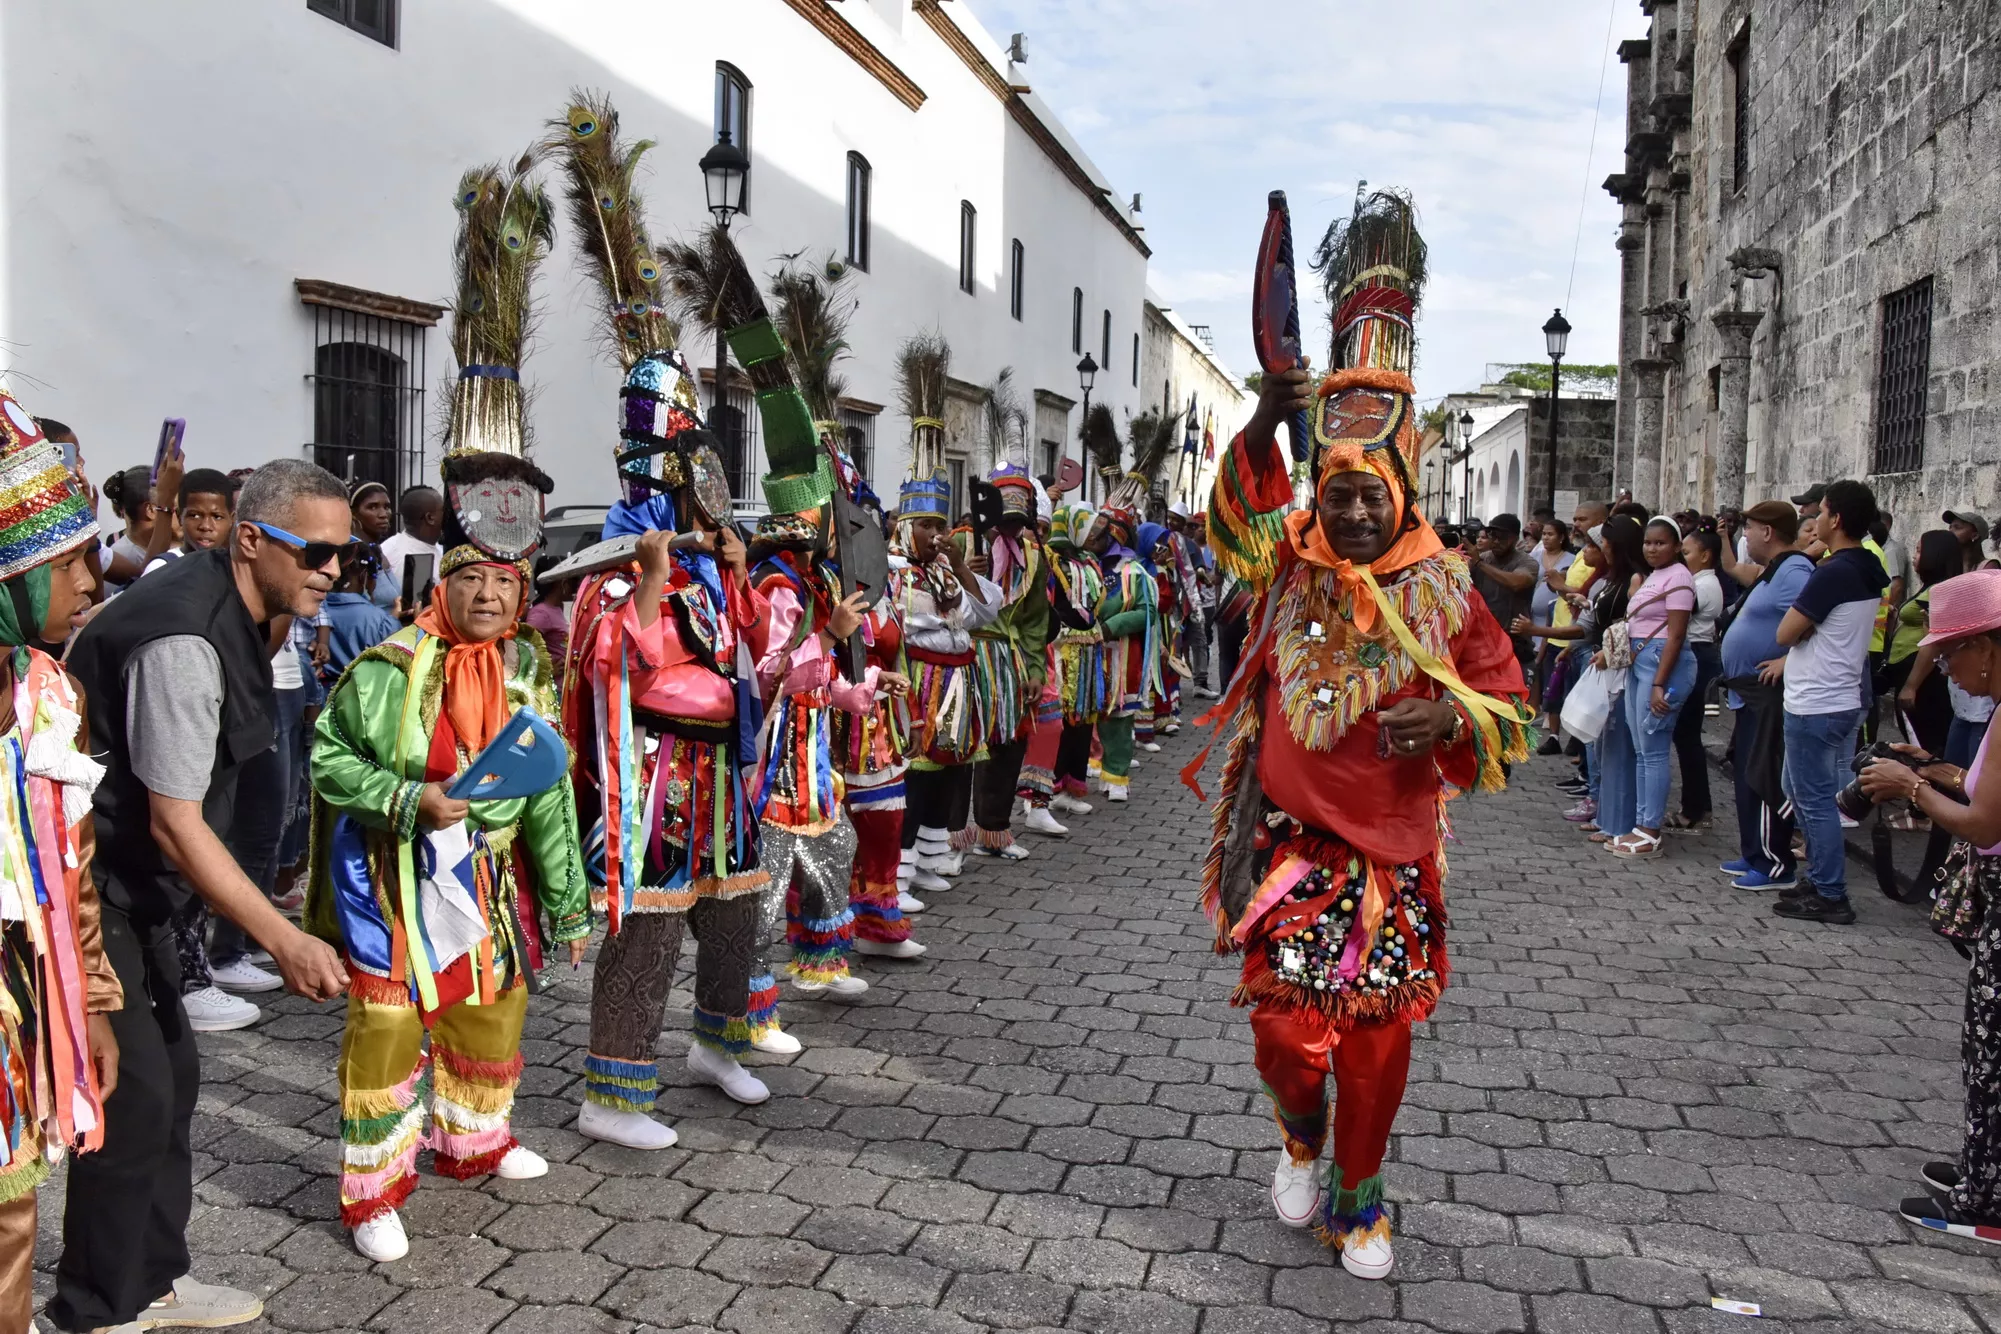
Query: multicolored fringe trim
{"x": 997, "y": 681}
{"x": 1304, "y": 1133}
{"x": 380, "y": 1133}
{"x": 1244, "y": 535}
{"x": 761, "y": 1007}
{"x": 1037, "y": 785}
{"x": 1351, "y": 1217}
{"x": 625, "y": 1086}
{"x": 1080, "y": 675}
{"x": 873, "y": 884}
{"x": 994, "y": 839}
{"x": 819, "y": 944}
{"x": 730, "y": 1034}
{"x": 24, "y": 1176}
{"x": 1071, "y": 785}
{"x": 471, "y": 1103}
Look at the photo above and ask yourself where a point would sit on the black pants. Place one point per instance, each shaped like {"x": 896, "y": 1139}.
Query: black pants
{"x": 1695, "y": 799}
{"x": 1230, "y": 637}
{"x": 1764, "y": 833}
{"x": 1073, "y": 755}
{"x": 125, "y": 1228}
{"x": 936, "y": 799}
{"x": 994, "y": 784}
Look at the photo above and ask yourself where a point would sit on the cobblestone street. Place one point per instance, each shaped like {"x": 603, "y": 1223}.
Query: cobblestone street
{"x": 1640, "y": 1092}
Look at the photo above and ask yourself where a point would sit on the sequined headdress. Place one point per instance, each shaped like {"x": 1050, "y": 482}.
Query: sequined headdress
{"x": 1372, "y": 265}
{"x": 493, "y": 495}
{"x": 43, "y": 509}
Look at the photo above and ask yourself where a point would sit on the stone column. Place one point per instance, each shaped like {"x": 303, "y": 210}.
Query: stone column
{"x": 1632, "y": 296}
{"x": 1650, "y": 374}
{"x": 1733, "y": 392}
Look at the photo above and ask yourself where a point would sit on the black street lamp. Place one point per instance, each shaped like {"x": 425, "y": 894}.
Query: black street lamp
{"x": 1430, "y": 467}
{"x": 1466, "y": 457}
{"x": 1556, "y": 335}
{"x": 1087, "y": 375}
{"x": 725, "y": 176}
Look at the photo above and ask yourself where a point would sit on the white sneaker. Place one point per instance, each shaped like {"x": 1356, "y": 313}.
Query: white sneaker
{"x": 928, "y": 881}
{"x": 908, "y": 903}
{"x": 712, "y": 1067}
{"x": 1206, "y": 693}
{"x": 775, "y": 1041}
{"x": 1069, "y": 805}
{"x": 1370, "y": 1257}
{"x": 1295, "y": 1191}
{"x": 243, "y": 975}
{"x": 522, "y": 1163}
{"x": 213, "y": 1010}
{"x": 1040, "y": 821}
{"x": 1116, "y": 794}
{"x": 845, "y": 987}
{"x": 1150, "y": 747}
{"x": 198, "y": 1305}
{"x": 899, "y": 949}
{"x": 615, "y": 1125}
{"x": 1013, "y": 852}
{"x": 382, "y": 1238}
{"x": 1172, "y": 729}
{"x": 954, "y": 864}
{"x": 937, "y": 863}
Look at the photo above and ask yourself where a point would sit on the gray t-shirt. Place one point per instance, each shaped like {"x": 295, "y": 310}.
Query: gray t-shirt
{"x": 173, "y": 714}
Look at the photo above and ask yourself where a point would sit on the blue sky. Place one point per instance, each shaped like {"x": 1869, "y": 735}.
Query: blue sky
{"x": 1482, "y": 109}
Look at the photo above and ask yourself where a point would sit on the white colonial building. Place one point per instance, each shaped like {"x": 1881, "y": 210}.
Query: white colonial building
{"x": 240, "y": 212}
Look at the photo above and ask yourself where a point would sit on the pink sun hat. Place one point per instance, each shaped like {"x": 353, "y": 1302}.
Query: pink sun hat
{"x": 1965, "y": 605}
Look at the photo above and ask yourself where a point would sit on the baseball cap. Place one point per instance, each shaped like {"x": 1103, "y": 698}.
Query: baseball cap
{"x": 1813, "y": 495}
{"x": 1973, "y": 521}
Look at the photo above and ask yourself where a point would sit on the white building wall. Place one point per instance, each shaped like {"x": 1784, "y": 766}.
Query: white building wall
{"x": 170, "y": 170}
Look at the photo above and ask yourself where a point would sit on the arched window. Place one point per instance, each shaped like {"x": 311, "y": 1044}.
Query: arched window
{"x": 859, "y": 175}
{"x": 1514, "y": 491}
{"x": 968, "y": 247}
{"x": 1105, "y": 343}
{"x": 733, "y": 114}
{"x": 1017, "y": 290}
{"x": 1077, "y": 320}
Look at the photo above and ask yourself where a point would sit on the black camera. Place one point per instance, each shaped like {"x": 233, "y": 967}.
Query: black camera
{"x": 1851, "y": 800}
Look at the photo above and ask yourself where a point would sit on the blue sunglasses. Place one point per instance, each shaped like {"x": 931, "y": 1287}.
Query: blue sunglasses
{"x": 313, "y": 555}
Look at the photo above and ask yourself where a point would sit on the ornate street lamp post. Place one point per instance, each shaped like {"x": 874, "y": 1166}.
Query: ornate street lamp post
{"x": 725, "y": 177}
{"x": 1556, "y": 334}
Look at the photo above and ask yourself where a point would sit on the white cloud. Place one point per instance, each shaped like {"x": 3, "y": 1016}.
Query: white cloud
{"x": 1483, "y": 111}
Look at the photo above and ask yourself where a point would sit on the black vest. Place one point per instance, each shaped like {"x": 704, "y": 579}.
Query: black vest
{"x": 194, "y": 595}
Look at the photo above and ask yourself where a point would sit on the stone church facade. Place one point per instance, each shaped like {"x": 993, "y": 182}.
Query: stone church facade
{"x": 1811, "y": 253}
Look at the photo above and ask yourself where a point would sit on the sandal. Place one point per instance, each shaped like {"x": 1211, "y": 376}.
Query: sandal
{"x": 1601, "y": 837}
{"x": 1680, "y": 822}
{"x": 1638, "y": 843}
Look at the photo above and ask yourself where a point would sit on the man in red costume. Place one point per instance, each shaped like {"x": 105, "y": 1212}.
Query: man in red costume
{"x": 1375, "y": 684}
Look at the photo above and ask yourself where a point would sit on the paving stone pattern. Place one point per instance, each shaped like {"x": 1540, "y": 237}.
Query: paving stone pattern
{"x": 1640, "y": 1092}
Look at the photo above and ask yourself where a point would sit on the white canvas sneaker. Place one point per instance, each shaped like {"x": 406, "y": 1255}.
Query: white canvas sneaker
{"x": 777, "y": 1042}
{"x": 213, "y": 1010}
{"x": 1367, "y": 1254}
{"x": 521, "y": 1163}
{"x": 1065, "y": 804}
{"x": 909, "y": 904}
{"x": 618, "y": 1125}
{"x": 1295, "y": 1191}
{"x": 243, "y": 975}
{"x": 712, "y": 1067}
{"x": 880, "y": 949}
{"x": 1040, "y": 821}
{"x": 382, "y": 1238}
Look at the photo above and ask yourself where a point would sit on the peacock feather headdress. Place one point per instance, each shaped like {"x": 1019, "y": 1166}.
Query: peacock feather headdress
{"x": 609, "y": 223}
{"x": 493, "y": 494}
{"x": 811, "y": 305}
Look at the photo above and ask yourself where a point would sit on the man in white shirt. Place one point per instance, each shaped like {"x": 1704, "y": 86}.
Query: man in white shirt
{"x": 423, "y": 511}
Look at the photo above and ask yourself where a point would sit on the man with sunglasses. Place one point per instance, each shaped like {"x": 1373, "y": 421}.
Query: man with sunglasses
{"x": 179, "y": 685}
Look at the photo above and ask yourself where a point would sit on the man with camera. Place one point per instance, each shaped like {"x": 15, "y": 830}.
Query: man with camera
{"x": 1826, "y": 637}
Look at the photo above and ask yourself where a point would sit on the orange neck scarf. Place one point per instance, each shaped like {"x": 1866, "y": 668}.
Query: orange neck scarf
{"x": 475, "y": 677}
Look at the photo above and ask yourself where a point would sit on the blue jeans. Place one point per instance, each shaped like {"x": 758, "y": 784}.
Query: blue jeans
{"x": 1614, "y": 766}
{"x": 1653, "y": 733}
{"x": 1819, "y": 747}
{"x": 1962, "y": 741}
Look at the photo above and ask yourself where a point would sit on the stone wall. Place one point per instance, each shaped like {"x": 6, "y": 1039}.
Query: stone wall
{"x": 1759, "y": 302}
{"x": 1584, "y": 451}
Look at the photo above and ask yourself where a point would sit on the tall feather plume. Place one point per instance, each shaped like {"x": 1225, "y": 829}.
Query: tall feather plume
{"x": 1099, "y": 435}
{"x": 506, "y": 228}
{"x": 610, "y": 226}
{"x": 811, "y": 307}
{"x": 695, "y": 273}
{"x": 923, "y": 366}
{"x": 1378, "y": 243}
{"x": 1153, "y": 434}
{"x": 1005, "y": 419}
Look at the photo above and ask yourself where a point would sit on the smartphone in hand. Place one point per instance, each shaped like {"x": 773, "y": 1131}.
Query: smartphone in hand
{"x": 172, "y": 430}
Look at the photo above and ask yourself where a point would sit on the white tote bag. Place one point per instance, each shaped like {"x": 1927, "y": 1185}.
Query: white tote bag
{"x": 1588, "y": 705}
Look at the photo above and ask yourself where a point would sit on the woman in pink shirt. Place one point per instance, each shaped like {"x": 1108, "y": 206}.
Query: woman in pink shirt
{"x": 1659, "y": 683}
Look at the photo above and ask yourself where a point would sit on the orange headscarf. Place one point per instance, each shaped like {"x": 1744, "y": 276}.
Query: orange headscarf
{"x": 475, "y": 676}
{"x": 1303, "y": 526}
